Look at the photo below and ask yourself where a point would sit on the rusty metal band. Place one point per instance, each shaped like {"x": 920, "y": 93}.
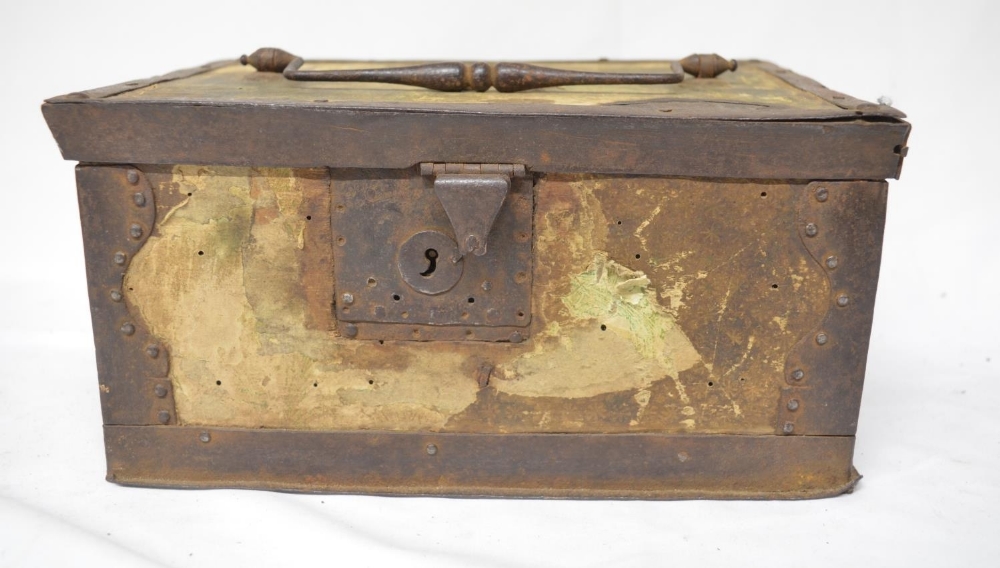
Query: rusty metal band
{"x": 117, "y": 214}
{"x": 271, "y": 135}
{"x": 612, "y": 466}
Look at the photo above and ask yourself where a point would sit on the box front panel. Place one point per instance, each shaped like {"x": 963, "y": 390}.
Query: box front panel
{"x": 656, "y": 305}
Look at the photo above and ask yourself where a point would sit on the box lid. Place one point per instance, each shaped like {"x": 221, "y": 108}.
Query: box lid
{"x": 757, "y": 122}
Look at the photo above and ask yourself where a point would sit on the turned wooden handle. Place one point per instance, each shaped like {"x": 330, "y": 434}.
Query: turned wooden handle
{"x": 504, "y": 77}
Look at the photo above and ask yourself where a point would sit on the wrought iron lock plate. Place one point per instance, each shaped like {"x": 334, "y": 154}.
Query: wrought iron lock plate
{"x": 440, "y": 255}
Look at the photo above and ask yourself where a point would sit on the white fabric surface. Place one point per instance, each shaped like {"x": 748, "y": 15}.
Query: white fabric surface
{"x": 929, "y": 436}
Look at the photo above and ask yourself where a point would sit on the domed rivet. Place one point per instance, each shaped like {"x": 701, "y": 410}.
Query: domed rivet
{"x": 132, "y": 176}
{"x": 120, "y": 258}
{"x": 843, "y": 300}
{"x": 135, "y": 231}
{"x": 139, "y": 199}
{"x": 160, "y": 391}
{"x": 793, "y": 405}
{"x": 205, "y": 437}
{"x": 516, "y": 337}
{"x": 128, "y": 329}
{"x": 432, "y": 449}
{"x": 821, "y": 338}
{"x": 163, "y": 416}
{"x": 811, "y": 230}
{"x": 797, "y": 374}
{"x": 350, "y": 330}
{"x": 822, "y": 194}
{"x": 116, "y": 296}
{"x": 788, "y": 428}
{"x": 832, "y": 262}
{"x": 153, "y": 351}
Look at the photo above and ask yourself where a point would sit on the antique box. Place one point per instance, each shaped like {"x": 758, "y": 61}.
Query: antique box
{"x": 612, "y": 279}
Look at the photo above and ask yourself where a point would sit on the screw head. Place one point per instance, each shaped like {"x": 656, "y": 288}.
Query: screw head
{"x": 205, "y": 437}
{"x": 788, "y": 428}
{"x": 132, "y": 176}
{"x": 120, "y": 258}
{"x": 128, "y": 328}
{"x": 163, "y": 416}
{"x": 832, "y": 262}
{"x": 139, "y": 199}
{"x": 793, "y": 405}
{"x": 153, "y": 351}
{"x": 843, "y": 300}
{"x": 811, "y": 230}
{"x": 116, "y": 296}
{"x": 160, "y": 390}
{"x": 821, "y": 338}
{"x": 135, "y": 231}
{"x": 516, "y": 337}
{"x": 350, "y": 330}
{"x": 347, "y": 298}
{"x": 822, "y": 194}
{"x": 432, "y": 449}
{"x": 797, "y": 374}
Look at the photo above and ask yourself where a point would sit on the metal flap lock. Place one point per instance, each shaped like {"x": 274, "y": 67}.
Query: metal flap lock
{"x": 442, "y": 256}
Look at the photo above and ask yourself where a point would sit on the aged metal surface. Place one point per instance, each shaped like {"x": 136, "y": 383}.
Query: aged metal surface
{"x": 396, "y": 260}
{"x": 691, "y": 336}
{"x": 689, "y": 311}
{"x": 117, "y": 213}
{"x": 841, "y": 224}
{"x": 624, "y": 466}
{"x": 271, "y": 135}
{"x": 504, "y": 77}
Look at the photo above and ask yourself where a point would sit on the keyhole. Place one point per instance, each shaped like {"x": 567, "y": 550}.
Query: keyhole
{"x": 431, "y": 255}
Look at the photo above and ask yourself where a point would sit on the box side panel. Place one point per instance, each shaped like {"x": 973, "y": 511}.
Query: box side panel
{"x": 658, "y": 305}
{"x": 627, "y": 466}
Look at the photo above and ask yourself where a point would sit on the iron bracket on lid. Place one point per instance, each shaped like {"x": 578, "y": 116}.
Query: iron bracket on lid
{"x": 472, "y": 195}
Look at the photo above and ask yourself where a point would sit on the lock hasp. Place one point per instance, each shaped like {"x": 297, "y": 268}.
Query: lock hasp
{"x": 399, "y": 268}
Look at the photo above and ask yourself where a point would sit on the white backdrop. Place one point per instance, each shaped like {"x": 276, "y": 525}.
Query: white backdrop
{"x": 929, "y": 436}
